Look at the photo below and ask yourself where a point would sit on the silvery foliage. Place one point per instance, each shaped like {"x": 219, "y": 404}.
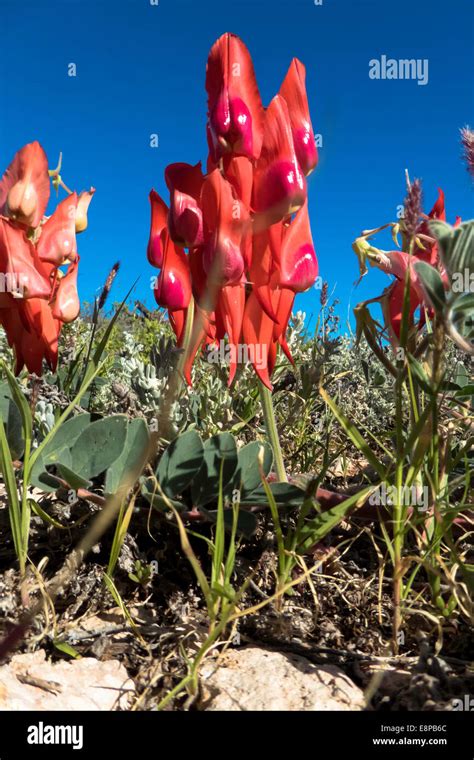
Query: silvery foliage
{"x": 44, "y": 415}
{"x": 365, "y": 392}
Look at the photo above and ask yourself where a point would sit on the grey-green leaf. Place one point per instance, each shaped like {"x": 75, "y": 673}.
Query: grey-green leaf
{"x": 248, "y": 476}
{"x": 99, "y": 445}
{"x": 12, "y": 421}
{"x": 136, "y": 445}
{"x": 180, "y": 462}
{"x": 218, "y": 449}
{"x": 432, "y": 284}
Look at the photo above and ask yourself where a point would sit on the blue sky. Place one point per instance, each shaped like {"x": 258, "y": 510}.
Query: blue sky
{"x": 141, "y": 68}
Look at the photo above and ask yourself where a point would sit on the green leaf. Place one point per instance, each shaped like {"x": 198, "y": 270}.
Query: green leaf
{"x": 467, "y": 390}
{"x": 285, "y": 495}
{"x": 180, "y": 462}
{"x": 35, "y": 507}
{"x": 319, "y": 526}
{"x": 419, "y": 372}
{"x": 13, "y": 422}
{"x": 91, "y": 373}
{"x": 153, "y": 497}
{"x": 135, "y": 449}
{"x": 9, "y": 480}
{"x": 65, "y": 438}
{"x": 432, "y": 285}
{"x": 72, "y": 478}
{"x": 460, "y": 321}
{"x": 456, "y": 247}
{"x": 58, "y": 450}
{"x": 246, "y": 521}
{"x": 65, "y": 648}
{"x": 20, "y": 401}
{"x": 99, "y": 445}
{"x": 219, "y": 448}
{"x": 248, "y": 476}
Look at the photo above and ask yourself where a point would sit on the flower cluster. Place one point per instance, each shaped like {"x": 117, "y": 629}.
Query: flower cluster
{"x": 245, "y": 222}
{"x": 37, "y": 296}
{"x": 418, "y": 244}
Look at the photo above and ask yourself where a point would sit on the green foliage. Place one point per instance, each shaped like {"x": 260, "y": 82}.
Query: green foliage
{"x": 191, "y": 472}
{"x": 457, "y": 308}
{"x": 83, "y": 449}
{"x": 11, "y": 417}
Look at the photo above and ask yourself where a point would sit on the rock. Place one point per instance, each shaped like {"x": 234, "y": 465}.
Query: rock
{"x": 30, "y": 682}
{"x": 260, "y": 679}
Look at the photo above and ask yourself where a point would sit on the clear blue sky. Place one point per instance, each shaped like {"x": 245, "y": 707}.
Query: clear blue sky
{"x": 141, "y": 68}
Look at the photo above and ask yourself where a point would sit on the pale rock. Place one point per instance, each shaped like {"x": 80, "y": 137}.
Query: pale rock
{"x": 261, "y": 679}
{"x": 82, "y": 684}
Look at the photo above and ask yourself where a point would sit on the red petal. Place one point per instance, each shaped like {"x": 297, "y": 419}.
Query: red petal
{"x": 235, "y": 108}
{"x": 173, "y": 289}
{"x": 257, "y": 330}
{"x": 57, "y": 243}
{"x": 239, "y": 171}
{"x": 20, "y": 265}
{"x": 438, "y": 211}
{"x": 279, "y": 185}
{"x": 225, "y": 224}
{"x": 284, "y": 304}
{"x": 66, "y": 304}
{"x": 24, "y": 188}
{"x": 232, "y": 306}
{"x": 293, "y": 90}
{"x": 178, "y": 322}
{"x": 83, "y": 203}
{"x": 396, "y": 263}
{"x": 299, "y": 265}
{"x": 159, "y": 220}
{"x": 32, "y": 332}
{"x": 393, "y": 307}
{"x": 185, "y": 218}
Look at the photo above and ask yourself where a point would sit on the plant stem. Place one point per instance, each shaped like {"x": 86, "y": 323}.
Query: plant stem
{"x": 186, "y": 345}
{"x": 177, "y": 379}
{"x": 272, "y": 432}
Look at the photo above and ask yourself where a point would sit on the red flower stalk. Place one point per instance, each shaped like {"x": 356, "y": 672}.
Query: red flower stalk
{"x": 38, "y": 296}
{"x": 245, "y": 224}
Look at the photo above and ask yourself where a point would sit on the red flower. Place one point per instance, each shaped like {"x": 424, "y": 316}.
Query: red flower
{"x": 397, "y": 263}
{"x": 279, "y": 183}
{"x": 293, "y": 90}
{"x": 158, "y": 229}
{"x": 38, "y": 297}
{"x": 248, "y": 256}
{"x": 235, "y": 110}
{"x": 24, "y": 188}
{"x": 57, "y": 242}
{"x": 185, "y": 217}
{"x": 173, "y": 288}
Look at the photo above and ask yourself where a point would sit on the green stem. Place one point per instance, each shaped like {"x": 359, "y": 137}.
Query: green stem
{"x": 272, "y": 432}
{"x": 177, "y": 379}
{"x": 188, "y": 334}
{"x": 25, "y": 506}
